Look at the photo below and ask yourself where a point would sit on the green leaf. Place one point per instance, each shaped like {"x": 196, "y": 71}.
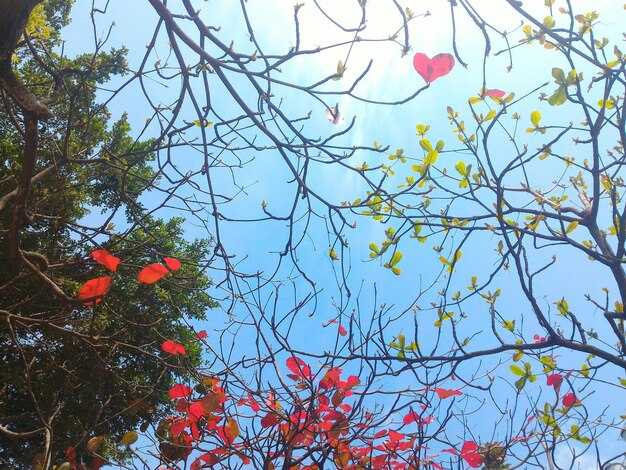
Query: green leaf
{"x": 558, "y": 97}
{"x": 517, "y": 370}
{"x": 333, "y": 254}
{"x": 520, "y": 384}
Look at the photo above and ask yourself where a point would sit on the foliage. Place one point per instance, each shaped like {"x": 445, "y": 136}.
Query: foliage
{"x": 69, "y": 370}
{"x": 468, "y": 337}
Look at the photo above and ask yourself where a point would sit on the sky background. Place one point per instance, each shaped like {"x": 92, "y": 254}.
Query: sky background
{"x": 391, "y": 78}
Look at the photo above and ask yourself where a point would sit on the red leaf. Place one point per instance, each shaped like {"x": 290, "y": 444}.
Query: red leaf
{"x": 473, "y": 459}
{"x": 106, "y": 259}
{"x": 173, "y": 348}
{"x": 342, "y": 331}
{"x": 152, "y": 273}
{"x": 469, "y": 454}
{"x": 469, "y": 446}
{"x": 555, "y": 380}
{"x": 443, "y": 393}
{"x": 499, "y": 94}
{"x": 269, "y": 420}
{"x": 410, "y": 417}
{"x": 94, "y": 288}
{"x": 253, "y": 403}
{"x": 70, "y": 453}
{"x": 569, "y": 400}
{"x": 180, "y": 391}
{"x": 395, "y": 436}
{"x": 431, "y": 69}
{"x": 353, "y": 381}
{"x": 201, "y": 334}
{"x": 298, "y": 367}
{"x": 379, "y": 434}
{"x": 172, "y": 263}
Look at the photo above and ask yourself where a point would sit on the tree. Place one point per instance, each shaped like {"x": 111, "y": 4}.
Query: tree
{"x": 499, "y": 356}
{"x": 69, "y": 370}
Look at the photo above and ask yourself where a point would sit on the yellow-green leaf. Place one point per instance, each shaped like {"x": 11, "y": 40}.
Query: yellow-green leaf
{"x": 535, "y": 118}
{"x": 426, "y": 145}
{"x": 129, "y": 438}
{"x": 395, "y": 259}
{"x": 431, "y": 157}
{"x": 571, "y": 226}
{"x": 509, "y": 325}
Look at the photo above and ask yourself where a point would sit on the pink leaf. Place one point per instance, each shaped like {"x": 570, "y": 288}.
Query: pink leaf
{"x": 431, "y": 69}
{"x": 152, "y": 273}
{"x": 332, "y": 114}
{"x": 499, "y": 94}
{"x": 106, "y": 259}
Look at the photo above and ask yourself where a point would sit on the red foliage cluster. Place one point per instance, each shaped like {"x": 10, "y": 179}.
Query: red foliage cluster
{"x": 322, "y": 420}
{"x": 93, "y": 290}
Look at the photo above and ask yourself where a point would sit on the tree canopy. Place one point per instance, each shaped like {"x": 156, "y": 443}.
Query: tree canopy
{"x": 411, "y": 219}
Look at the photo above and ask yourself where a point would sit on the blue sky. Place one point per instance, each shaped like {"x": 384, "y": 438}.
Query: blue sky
{"x": 392, "y": 77}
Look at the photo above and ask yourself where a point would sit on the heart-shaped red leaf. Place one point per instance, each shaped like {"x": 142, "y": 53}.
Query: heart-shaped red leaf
{"x": 106, "y": 259}
{"x": 569, "y": 400}
{"x": 431, "y": 69}
{"x": 94, "y": 288}
{"x": 152, "y": 273}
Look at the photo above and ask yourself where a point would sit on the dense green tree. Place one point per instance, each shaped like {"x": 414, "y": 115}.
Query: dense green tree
{"x": 70, "y": 371}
